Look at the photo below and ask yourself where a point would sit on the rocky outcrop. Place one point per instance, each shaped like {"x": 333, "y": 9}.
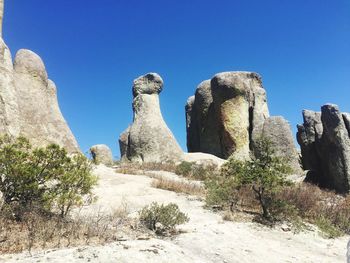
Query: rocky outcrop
{"x": 325, "y": 147}
{"x": 278, "y": 131}
{"x": 101, "y": 154}
{"x": 226, "y": 115}
{"x": 204, "y": 159}
{"x": 148, "y": 139}
{"x": 28, "y": 100}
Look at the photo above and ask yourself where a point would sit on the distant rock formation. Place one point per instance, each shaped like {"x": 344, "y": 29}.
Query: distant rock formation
{"x": 28, "y": 100}
{"x": 101, "y": 154}
{"x": 324, "y": 138}
{"x": 148, "y": 139}
{"x": 229, "y": 113}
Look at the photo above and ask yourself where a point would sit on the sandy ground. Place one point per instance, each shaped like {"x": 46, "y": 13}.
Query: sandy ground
{"x": 207, "y": 237}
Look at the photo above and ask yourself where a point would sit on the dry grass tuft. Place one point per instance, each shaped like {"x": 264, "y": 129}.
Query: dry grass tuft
{"x": 39, "y": 231}
{"x": 178, "y": 186}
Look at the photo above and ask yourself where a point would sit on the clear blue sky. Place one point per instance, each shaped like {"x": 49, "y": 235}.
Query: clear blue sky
{"x": 94, "y": 49}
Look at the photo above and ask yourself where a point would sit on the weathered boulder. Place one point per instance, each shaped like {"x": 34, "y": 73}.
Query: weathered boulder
{"x": 277, "y": 130}
{"x": 227, "y": 114}
{"x": 325, "y": 147}
{"x": 28, "y": 100}
{"x": 204, "y": 159}
{"x": 101, "y": 154}
{"x": 149, "y": 138}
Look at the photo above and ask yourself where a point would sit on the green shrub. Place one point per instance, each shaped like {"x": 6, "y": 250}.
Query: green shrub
{"x": 196, "y": 171}
{"x": 169, "y": 216}
{"x": 327, "y": 227}
{"x": 265, "y": 176}
{"x": 44, "y": 178}
{"x": 184, "y": 168}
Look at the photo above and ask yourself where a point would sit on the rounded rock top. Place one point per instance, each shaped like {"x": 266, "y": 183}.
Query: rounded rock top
{"x": 230, "y": 77}
{"x": 151, "y": 83}
{"x": 27, "y": 62}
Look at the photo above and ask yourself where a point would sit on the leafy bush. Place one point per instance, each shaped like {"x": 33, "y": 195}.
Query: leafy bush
{"x": 169, "y": 216}
{"x": 265, "y": 176}
{"x": 44, "y": 178}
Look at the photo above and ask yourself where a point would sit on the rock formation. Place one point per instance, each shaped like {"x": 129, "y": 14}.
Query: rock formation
{"x": 148, "y": 139}
{"x": 101, "y": 154}
{"x": 324, "y": 138}
{"x": 277, "y": 130}
{"x": 28, "y": 100}
{"x": 226, "y": 114}
{"x": 229, "y": 113}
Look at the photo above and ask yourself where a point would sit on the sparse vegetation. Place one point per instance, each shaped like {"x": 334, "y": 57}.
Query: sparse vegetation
{"x": 260, "y": 185}
{"x": 184, "y": 168}
{"x": 264, "y": 176}
{"x": 196, "y": 171}
{"x": 44, "y": 231}
{"x": 44, "y": 179}
{"x": 161, "y": 218}
{"x": 178, "y": 186}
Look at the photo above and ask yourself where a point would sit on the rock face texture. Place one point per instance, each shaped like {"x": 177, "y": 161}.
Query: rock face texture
{"x": 278, "y": 131}
{"x": 148, "y": 139}
{"x": 325, "y": 147}
{"x": 28, "y": 100}
{"x": 226, "y": 114}
{"x": 101, "y": 154}
{"x": 229, "y": 113}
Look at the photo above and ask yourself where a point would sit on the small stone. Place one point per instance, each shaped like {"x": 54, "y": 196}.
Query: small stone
{"x": 285, "y": 228}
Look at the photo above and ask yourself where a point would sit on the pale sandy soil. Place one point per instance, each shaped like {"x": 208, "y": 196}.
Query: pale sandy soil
{"x": 207, "y": 238}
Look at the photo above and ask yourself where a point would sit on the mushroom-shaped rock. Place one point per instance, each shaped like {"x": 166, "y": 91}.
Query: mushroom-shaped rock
{"x": 149, "y": 138}
{"x": 101, "y": 154}
{"x": 150, "y": 83}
